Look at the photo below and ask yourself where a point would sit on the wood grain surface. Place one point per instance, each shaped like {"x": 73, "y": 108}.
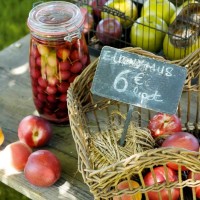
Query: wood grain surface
{"x": 16, "y": 103}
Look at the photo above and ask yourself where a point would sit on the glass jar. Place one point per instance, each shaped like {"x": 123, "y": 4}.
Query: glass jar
{"x": 58, "y": 53}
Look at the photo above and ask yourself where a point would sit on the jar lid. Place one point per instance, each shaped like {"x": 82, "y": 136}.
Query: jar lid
{"x": 55, "y": 19}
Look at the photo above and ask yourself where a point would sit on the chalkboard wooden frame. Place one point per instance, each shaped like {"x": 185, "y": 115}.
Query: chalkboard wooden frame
{"x": 138, "y": 80}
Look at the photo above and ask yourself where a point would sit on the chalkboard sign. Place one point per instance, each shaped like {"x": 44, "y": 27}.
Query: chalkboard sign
{"x": 138, "y": 80}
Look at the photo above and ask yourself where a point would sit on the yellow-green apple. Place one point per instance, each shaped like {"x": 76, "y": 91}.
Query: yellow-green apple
{"x": 160, "y": 8}
{"x": 128, "y": 8}
{"x": 148, "y": 33}
{"x": 34, "y": 131}
{"x": 179, "y": 9}
{"x": 173, "y": 52}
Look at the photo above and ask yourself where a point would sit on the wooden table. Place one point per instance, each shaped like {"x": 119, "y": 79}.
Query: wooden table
{"x": 16, "y": 103}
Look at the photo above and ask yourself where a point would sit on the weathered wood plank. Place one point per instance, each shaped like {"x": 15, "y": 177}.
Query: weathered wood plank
{"x": 15, "y": 103}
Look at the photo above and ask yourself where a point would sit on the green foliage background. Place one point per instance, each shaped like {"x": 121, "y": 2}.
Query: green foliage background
{"x": 13, "y": 16}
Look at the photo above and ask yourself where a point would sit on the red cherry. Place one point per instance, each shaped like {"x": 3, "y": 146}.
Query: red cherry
{"x": 32, "y": 62}
{"x": 38, "y": 61}
{"x": 74, "y": 56}
{"x": 76, "y": 67}
{"x": 35, "y": 73}
{"x": 64, "y": 75}
{"x": 38, "y": 103}
{"x": 65, "y": 65}
{"x": 42, "y": 97}
{"x": 63, "y": 53}
{"x": 63, "y": 87}
{"x": 63, "y": 97}
{"x": 34, "y": 51}
{"x": 42, "y": 82}
{"x": 53, "y": 81}
{"x": 40, "y": 89}
{"x": 62, "y": 105}
{"x": 51, "y": 90}
{"x": 71, "y": 79}
{"x": 51, "y": 98}
{"x": 84, "y": 60}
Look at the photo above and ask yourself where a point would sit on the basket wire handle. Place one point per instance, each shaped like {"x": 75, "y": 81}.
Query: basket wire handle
{"x": 126, "y": 124}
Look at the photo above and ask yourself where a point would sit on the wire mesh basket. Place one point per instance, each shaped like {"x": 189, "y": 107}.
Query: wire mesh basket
{"x": 167, "y": 28}
{"x": 114, "y": 172}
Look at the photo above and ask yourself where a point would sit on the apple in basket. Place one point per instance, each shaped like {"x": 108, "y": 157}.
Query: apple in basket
{"x": 163, "y": 9}
{"x": 108, "y": 31}
{"x": 179, "y": 9}
{"x": 97, "y": 7}
{"x": 131, "y": 184}
{"x": 174, "y": 52}
{"x": 148, "y": 33}
{"x": 34, "y": 131}
{"x": 162, "y": 123}
{"x": 195, "y": 176}
{"x": 128, "y": 8}
{"x": 181, "y": 140}
{"x": 160, "y": 174}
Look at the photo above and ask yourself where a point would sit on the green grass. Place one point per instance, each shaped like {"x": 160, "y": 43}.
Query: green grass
{"x": 13, "y": 16}
{"x": 7, "y": 193}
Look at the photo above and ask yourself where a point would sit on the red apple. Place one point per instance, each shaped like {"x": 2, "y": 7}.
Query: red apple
{"x": 108, "y": 30}
{"x": 76, "y": 67}
{"x": 34, "y": 131}
{"x": 196, "y": 177}
{"x": 43, "y": 168}
{"x": 160, "y": 174}
{"x": 97, "y": 7}
{"x": 15, "y": 156}
{"x": 181, "y": 140}
{"x": 162, "y": 123}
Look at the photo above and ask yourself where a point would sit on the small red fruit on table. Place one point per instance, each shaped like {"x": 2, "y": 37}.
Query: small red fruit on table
{"x": 42, "y": 168}
{"x": 15, "y": 156}
{"x": 34, "y": 131}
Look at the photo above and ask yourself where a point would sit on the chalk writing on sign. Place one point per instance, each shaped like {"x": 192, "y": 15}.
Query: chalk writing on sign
{"x": 138, "y": 80}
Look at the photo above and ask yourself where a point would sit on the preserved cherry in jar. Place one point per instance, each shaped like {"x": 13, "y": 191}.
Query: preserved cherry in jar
{"x": 58, "y": 53}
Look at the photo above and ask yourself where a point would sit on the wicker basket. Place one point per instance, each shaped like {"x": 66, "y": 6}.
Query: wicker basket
{"x": 91, "y": 116}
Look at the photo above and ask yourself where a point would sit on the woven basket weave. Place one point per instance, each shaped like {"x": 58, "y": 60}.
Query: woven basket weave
{"x": 90, "y": 116}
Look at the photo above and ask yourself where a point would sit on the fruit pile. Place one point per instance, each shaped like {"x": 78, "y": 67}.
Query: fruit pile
{"x": 53, "y": 66}
{"x": 126, "y": 22}
{"x": 41, "y": 167}
{"x": 167, "y": 132}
